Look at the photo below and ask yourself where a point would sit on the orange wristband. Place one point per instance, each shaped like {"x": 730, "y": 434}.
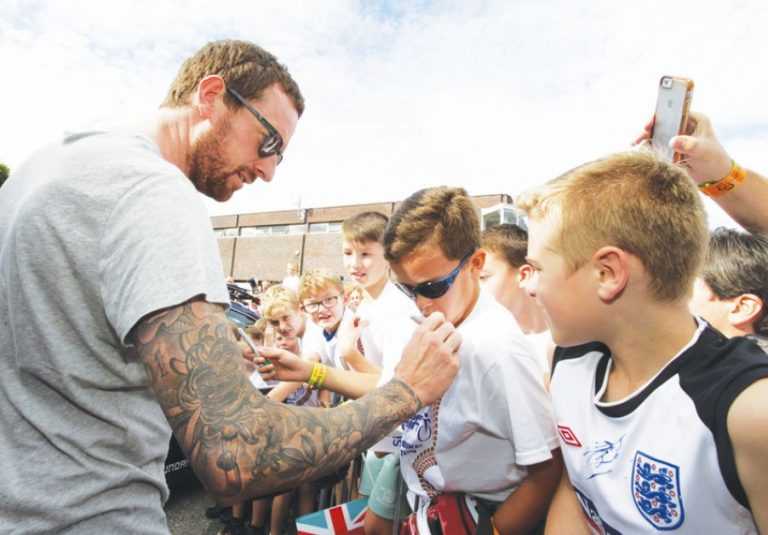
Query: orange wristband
{"x": 729, "y": 182}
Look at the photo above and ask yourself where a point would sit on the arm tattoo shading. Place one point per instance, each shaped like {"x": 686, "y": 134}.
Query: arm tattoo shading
{"x": 238, "y": 442}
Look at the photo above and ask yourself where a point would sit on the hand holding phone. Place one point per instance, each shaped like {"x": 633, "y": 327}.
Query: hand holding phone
{"x": 247, "y": 340}
{"x": 672, "y": 107}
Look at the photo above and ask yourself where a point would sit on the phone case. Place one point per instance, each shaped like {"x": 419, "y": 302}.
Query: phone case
{"x": 672, "y": 107}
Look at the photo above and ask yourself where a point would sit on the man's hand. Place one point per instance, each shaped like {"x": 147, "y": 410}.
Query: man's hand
{"x": 703, "y": 156}
{"x": 430, "y": 360}
{"x": 707, "y": 161}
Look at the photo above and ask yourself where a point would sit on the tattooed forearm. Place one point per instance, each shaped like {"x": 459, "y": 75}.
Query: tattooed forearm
{"x": 238, "y": 442}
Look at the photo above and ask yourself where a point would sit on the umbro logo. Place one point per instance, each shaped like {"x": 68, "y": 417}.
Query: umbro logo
{"x": 568, "y": 436}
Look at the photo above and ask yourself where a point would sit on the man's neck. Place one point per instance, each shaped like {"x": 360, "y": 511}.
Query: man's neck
{"x": 172, "y": 131}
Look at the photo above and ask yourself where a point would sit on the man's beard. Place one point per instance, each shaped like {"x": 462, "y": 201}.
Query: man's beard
{"x": 206, "y": 164}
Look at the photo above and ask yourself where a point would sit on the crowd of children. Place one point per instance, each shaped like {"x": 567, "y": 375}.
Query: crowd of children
{"x": 611, "y": 362}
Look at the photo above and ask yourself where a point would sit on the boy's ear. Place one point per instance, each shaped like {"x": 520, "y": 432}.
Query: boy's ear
{"x": 745, "y": 310}
{"x": 208, "y": 91}
{"x": 611, "y": 269}
{"x": 524, "y": 274}
{"x": 477, "y": 261}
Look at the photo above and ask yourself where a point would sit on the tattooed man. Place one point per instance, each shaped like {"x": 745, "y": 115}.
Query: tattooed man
{"x": 135, "y": 337}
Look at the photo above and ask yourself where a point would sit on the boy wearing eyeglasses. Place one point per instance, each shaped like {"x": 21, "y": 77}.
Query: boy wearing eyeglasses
{"x": 491, "y": 435}
{"x": 321, "y": 294}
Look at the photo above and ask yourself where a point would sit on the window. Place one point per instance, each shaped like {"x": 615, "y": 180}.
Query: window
{"x": 503, "y": 213}
{"x": 491, "y": 219}
{"x": 225, "y": 232}
{"x": 253, "y": 231}
{"x": 272, "y": 230}
{"x": 320, "y": 228}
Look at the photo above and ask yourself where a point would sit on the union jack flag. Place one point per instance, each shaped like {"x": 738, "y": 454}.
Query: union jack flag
{"x": 345, "y": 519}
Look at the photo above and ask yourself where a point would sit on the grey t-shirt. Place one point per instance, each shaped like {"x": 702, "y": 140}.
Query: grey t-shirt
{"x": 95, "y": 233}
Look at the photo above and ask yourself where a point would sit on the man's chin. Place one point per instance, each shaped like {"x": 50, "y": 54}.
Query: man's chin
{"x": 222, "y": 196}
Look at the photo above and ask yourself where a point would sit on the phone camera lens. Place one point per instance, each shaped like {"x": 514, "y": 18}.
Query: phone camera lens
{"x": 666, "y": 83}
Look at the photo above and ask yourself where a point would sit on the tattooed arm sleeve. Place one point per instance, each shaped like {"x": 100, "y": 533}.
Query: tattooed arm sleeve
{"x": 239, "y": 443}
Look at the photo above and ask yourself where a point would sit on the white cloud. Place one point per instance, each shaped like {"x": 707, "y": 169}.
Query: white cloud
{"x": 492, "y": 95}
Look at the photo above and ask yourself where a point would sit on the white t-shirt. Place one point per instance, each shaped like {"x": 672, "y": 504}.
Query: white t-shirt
{"x": 388, "y": 331}
{"x": 315, "y": 339}
{"x": 494, "y": 420}
{"x": 389, "y": 328}
{"x": 541, "y": 343}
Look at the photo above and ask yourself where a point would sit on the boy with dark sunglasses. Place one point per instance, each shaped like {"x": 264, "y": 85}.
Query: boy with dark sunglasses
{"x": 491, "y": 435}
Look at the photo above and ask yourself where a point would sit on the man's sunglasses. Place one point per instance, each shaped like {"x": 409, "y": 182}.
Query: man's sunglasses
{"x": 435, "y": 288}
{"x": 274, "y": 141}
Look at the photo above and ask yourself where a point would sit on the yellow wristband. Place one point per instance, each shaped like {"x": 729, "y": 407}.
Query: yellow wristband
{"x": 312, "y": 381}
{"x": 321, "y": 376}
{"x": 729, "y": 182}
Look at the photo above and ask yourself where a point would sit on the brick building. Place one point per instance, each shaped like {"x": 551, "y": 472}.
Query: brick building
{"x": 262, "y": 244}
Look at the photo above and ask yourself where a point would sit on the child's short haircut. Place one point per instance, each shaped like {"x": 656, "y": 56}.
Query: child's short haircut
{"x": 507, "y": 240}
{"x": 316, "y": 281}
{"x": 440, "y": 217}
{"x": 634, "y": 201}
{"x": 364, "y": 227}
{"x": 736, "y": 263}
{"x": 254, "y": 332}
{"x": 294, "y": 265}
{"x": 278, "y": 299}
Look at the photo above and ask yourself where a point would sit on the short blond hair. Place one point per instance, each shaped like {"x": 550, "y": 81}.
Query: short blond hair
{"x": 442, "y": 217}
{"x": 632, "y": 200}
{"x": 278, "y": 299}
{"x": 315, "y": 281}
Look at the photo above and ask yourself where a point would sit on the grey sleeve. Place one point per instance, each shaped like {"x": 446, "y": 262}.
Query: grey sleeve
{"x": 158, "y": 251}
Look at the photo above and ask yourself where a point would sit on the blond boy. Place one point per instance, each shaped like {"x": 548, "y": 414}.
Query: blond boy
{"x": 282, "y": 311}
{"x": 659, "y": 416}
{"x": 321, "y": 294}
{"x": 491, "y": 435}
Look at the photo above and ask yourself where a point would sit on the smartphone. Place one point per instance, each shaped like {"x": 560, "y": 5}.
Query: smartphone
{"x": 247, "y": 340}
{"x": 672, "y": 106}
